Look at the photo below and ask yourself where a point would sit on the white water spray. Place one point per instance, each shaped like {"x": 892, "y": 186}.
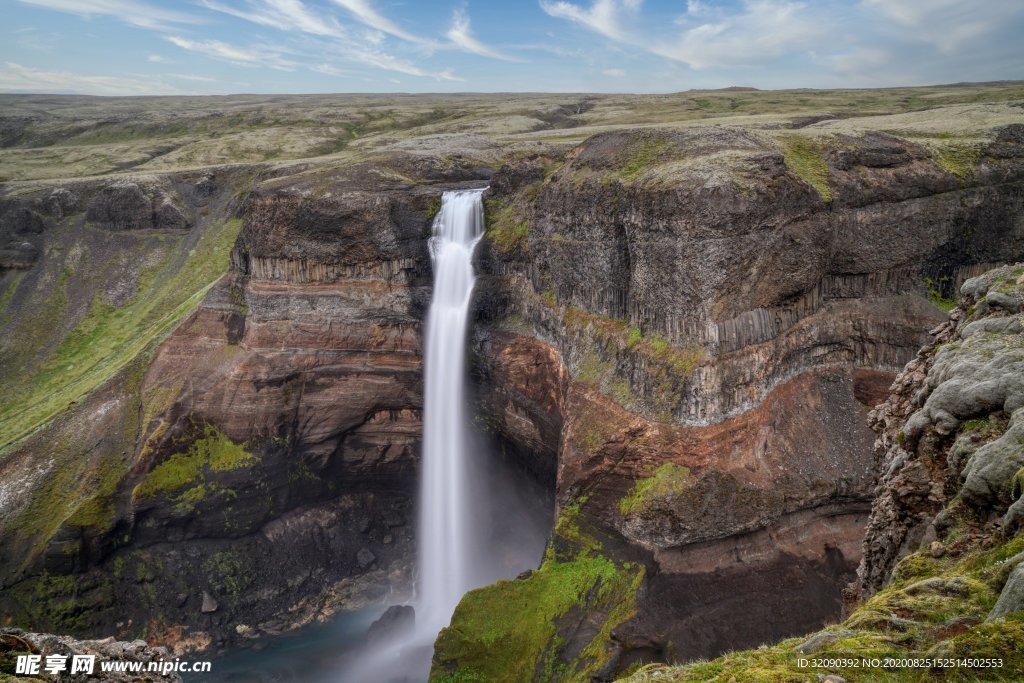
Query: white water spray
{"x": 445, "y": 492}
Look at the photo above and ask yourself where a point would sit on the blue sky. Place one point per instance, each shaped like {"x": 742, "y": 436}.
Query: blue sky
{"x": 145, "y": 47}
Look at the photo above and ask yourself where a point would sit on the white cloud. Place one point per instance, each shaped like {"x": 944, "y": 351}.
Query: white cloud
{"x": 134, "y": 12}
{"x": 948, "y": 25}
{"x": 16, "y": 77}
{"x": 614, "y": 73}
{"x": 462, "y": 37}
{"x": 158, "y": 59}
{"x": 364, "y": 12}
{"x": 190, "y": 77}
{"x": 761, "y": 30}
{"x": 240, "y": 56}
{"x": 603, "y": 16}
{"x": 281, "y": 14}
{"x": 382, "y": 60}
{"x": 764, "y": 30}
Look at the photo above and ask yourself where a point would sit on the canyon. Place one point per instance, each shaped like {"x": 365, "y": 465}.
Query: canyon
{"x": 681, "y": 325}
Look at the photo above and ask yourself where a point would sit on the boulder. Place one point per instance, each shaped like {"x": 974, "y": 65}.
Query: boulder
{"x": 397, "y": 622}
{"x": 1011, "y": 599}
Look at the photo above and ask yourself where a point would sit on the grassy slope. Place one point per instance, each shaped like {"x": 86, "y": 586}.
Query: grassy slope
{"x": 171, "y": 274}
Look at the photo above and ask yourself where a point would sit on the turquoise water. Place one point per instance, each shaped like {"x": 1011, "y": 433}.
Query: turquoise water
{"x": 318, "y": 653}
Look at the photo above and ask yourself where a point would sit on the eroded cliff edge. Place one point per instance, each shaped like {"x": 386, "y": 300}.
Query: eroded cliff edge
{"x": 250, "y": 469}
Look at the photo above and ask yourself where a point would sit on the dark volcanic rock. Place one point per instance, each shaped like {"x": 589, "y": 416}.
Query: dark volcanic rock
{"x": 398, "y": 621}
{"x": 126, "y": 205}
{"x": 21, "y": 221}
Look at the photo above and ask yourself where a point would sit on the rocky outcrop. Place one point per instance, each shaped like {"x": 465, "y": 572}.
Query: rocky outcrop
{"x": 126, "y": 205}
{"x": 62, "y": 651}
{"x": 951, "y": 429}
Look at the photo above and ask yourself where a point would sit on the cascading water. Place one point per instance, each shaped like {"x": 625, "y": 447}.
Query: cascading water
{"x": 445, "y": 518}
{"x": 450, "y": 501}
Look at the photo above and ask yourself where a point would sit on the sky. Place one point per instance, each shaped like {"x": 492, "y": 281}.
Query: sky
{"x": 160, "y": 47}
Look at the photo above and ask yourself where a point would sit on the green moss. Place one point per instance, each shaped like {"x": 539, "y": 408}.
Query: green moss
{"x": 805, "y": 157}
{"x": 214, "y": 452}
{"x": 433, "y": 209}
{"x": 959, "y": 158}
{"x": 666, "y": 367}
{"x": 668, "y": 480}
{"x": 505, "y": 632}
{"x": 976, "y": 425}
{"x": 13, "y": 280}
{"x": 642, "y": 156}
{"x": 51, "y": 602}
{"x": 229, "y": 576}
{"x": 634, "y": 338}
{"x": 1017, "y": 484}
{"x": 936, "y": 297}
{"x": 512, "y": 631}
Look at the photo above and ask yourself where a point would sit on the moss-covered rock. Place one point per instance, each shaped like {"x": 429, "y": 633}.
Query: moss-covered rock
{"x": 552, "y": 624}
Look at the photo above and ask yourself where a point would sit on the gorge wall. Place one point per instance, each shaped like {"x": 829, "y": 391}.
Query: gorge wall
{"x": 706, "y": 330}
{"x": 941, "y": 582}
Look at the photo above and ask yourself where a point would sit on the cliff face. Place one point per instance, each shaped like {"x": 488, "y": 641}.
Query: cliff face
{"x": 708, "y": 323}
{"x": 942, "y": 573}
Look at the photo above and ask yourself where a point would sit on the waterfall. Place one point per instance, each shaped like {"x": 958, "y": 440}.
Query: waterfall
{"x": 445, "y": 490}
{"x": 460, "y": 496}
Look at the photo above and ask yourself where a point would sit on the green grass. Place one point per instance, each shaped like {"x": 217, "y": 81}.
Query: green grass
{"x": 805, "y": 157}
{"x": 109, "y": 337}
{"x": 642, "y": 156}
{"x": 668, "y": 480}
{"x": 507, "y": 227}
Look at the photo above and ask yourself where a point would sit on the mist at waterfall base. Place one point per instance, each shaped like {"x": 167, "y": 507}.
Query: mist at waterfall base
{"x": 479, "y": 520}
